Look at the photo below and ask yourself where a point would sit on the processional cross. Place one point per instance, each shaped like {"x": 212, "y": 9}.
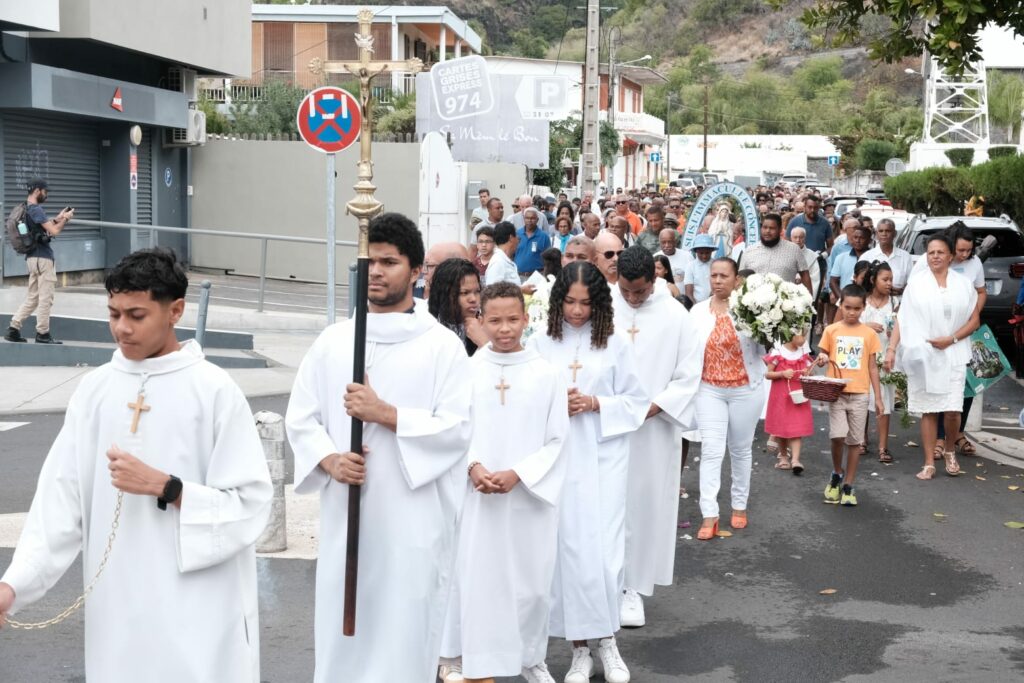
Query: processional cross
{"x": 364, "y": 207}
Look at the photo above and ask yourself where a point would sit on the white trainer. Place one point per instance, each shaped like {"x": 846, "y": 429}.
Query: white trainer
{"x": 582, "y": 666}
{"x": 615, "y": 670}
{"x": 450, "y": 670}
{"x": 631, "y": 609}
{"x": 538, "y": 673}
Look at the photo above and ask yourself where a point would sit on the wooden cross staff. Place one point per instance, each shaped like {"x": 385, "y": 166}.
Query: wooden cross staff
{"x": 364, "y": 207}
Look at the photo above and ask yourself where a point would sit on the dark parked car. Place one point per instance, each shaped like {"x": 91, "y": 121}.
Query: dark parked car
{"x": 1004, "y": 266}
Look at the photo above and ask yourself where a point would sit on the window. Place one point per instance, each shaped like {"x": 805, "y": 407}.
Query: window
{"x": 1010, "y": 243}
{"x": 278, "y": 48}
{"x": 341, "y": 43}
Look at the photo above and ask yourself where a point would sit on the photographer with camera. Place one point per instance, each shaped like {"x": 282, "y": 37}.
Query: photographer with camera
{"x": 36, "y": 231}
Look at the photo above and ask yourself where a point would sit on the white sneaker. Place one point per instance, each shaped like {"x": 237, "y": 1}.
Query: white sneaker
{"x": 538, "y": 673}
{"x": 450, "y": 670}
{"x": 615, "y": 670}
{"x": 631, "y": 609}
{"x": 582, "y": 666}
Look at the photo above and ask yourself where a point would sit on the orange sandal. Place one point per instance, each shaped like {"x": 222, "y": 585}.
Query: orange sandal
{"x": 706, "y": 533}
{"x": 738, "y": 522}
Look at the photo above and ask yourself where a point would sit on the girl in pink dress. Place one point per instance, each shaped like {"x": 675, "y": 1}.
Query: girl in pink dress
{"x": 785, "y": 420}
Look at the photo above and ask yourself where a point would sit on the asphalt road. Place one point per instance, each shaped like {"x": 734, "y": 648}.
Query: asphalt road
{"x": 918, "y": 596}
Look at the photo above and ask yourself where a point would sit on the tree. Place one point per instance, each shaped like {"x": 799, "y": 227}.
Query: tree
{"x": 948, "y": 29}
{"x": 568, "y": 134}
{"x": 872, "y": 154}
{"x": 273, "y": 114}
{"x": 1005, "y": 102}
{"x": 396, "y": 118}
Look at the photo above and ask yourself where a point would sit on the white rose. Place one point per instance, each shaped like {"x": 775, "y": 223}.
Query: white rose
{"x": 775, "y": 315}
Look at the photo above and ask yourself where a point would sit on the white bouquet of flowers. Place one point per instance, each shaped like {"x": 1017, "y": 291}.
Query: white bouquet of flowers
{"x": 537, "y": 306}
{"x": 769, "y": 310}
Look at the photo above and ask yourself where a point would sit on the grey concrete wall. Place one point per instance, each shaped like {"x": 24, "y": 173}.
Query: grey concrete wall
{"x": 219, "y": 34}
{"x": 279, "y": 187}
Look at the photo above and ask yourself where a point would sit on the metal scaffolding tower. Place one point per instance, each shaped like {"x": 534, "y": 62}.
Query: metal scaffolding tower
{"x": 956, "y": 106}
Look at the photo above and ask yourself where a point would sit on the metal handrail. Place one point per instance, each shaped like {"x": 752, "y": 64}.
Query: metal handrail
{"x": 262, "y": 237}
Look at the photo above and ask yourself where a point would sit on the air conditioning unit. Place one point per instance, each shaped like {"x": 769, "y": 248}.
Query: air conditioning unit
{"x": 194, "y": 134}
{"x": 184, "y": 81}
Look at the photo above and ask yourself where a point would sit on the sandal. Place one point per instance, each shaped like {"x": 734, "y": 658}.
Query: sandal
{"x": 783, "y": 463}
{"x": 952, "y": 466}
{"x": 926, "y": 473}
{"x": 884, "y": 456}
{"x": 965, "y": 447}
{"x": 798, "y": 469}
{"x": 940, "y": 449}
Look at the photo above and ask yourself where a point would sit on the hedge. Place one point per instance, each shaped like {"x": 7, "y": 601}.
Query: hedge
{"x": 997, "y": 152}
{"x": 944, "y": 191}
{"x": 960, "y": 157}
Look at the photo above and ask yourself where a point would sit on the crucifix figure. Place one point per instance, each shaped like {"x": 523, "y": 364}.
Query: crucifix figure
{"x": 364, "y": 207}
{"x": 139, "y": 407}
{"x": 633, "y": 331}
{"x": 575, "y": 366}
{"x": 501, "y": 387}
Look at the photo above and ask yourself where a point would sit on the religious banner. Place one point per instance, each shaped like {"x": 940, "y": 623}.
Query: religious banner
{"x": 988, "y": 365}
{"x": 481, "y": 113}
{"x": 710, "y": 197}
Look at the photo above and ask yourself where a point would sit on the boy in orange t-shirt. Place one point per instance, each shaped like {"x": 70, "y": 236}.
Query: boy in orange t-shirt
{"x": 852, "y": 345}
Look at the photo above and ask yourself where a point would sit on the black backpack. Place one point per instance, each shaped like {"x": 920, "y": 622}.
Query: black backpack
{"x": 22, "y": 243}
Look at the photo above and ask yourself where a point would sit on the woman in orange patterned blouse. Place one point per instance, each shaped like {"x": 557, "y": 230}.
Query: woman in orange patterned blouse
{"x": 729, "y": 400}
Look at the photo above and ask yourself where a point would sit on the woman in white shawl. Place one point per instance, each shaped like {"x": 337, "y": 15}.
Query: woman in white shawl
{"x": 931, "y": 344}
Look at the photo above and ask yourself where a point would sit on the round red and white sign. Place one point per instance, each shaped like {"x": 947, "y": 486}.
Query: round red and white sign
{"x": 329, "y": 119}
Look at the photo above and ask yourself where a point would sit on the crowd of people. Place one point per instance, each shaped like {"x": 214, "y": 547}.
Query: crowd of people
{"x": 643, "y": 340}
{"x": 520, "y": 473}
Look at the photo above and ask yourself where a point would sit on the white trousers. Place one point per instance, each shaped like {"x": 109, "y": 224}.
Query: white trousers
{"x": 726, "y": 416}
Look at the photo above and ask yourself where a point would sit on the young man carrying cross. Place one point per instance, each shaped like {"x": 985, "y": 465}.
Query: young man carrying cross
{"x": 415, "y": 407}
{"x": 174, "y": 597}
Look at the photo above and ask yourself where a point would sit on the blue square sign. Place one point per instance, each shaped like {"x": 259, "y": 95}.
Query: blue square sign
{"x": 833, "y": 160}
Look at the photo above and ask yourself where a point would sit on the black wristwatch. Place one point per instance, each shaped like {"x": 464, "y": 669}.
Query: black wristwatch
{"x": 172, "y": 491}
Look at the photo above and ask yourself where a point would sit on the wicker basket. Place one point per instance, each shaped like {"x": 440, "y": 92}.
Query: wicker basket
{"x": 825, "y": 389}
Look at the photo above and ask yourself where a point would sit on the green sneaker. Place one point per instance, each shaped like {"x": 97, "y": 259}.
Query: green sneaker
{"x": 832, "y": 490}
{"x": 849, "y": 498}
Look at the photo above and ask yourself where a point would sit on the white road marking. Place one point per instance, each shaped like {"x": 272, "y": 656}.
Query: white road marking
{"x": 7, "y": 426}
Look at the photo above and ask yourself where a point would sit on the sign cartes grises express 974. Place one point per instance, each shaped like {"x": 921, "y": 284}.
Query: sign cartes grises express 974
{"x": 461, "y": 88}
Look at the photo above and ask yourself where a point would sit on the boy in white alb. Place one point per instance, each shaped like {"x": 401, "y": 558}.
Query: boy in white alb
{"x": 508, "y": 532}
{"x": 167, "y": 438}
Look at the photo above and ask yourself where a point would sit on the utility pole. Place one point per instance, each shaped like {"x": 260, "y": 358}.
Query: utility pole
{"x": 706, "y": 96}
{"x": 669, "y": 95}
{"x": 591, "y": 95}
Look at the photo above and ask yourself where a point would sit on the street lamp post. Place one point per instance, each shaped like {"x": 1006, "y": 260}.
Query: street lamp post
{"x": 613, "y": 87}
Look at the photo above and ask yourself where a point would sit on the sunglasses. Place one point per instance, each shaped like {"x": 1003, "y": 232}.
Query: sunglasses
{"x": 612, "y": 254}
{"x": 622, "y": 202}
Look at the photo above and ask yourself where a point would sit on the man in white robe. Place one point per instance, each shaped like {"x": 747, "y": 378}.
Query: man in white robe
{"x": 176, "y": 600}
{"x": 498, "y": 614}
{"x": 665, "y": 346}
{"x": 415, "y": 406}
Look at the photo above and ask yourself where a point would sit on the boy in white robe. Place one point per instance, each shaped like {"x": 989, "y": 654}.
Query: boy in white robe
{"x": 498, "y": 615}
{"x": 176, "y": 600}
{"x": 415, "y": 406}
{"x": 665, "y": 345}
